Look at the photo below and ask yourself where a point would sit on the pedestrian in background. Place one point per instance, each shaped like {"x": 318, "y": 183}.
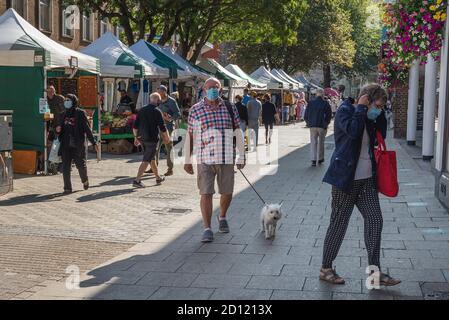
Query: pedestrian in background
{"x": 300, "y": 106}
{"x": 147, "y": 128}
{"x": 170, "y": 114}
{"x": 73, "y": 131}
{"x": 254, "y": 107}
{"x": 318, "y": 115}
{"x": 56, "y": 104}
{"x": 246, "y": 97}
{"x": 243, "y": 113}
{"x": 352, "y": 174}
{"x": 269, "y": 115}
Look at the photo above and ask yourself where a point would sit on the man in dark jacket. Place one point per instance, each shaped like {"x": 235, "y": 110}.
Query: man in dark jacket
{"x": 318, "y": 115}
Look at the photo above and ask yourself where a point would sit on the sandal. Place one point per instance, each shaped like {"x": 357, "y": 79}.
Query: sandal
{"x": 160, "y": 180}
{"x": 387, "y": 280}
{"x": 331, "y": 276}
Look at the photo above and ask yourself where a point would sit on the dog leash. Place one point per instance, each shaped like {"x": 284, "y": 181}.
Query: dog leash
{"x": 252, "y": 187}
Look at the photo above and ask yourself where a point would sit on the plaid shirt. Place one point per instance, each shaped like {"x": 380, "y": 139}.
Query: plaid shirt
{"x": 212, "y": 130}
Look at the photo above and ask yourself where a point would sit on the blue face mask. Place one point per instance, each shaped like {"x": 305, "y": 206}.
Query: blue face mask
{"x": 373, "y": 113}
{"x": 68, "y": 104}
{"x": 212, "y": 94}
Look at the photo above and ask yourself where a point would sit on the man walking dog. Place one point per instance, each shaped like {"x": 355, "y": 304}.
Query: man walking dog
{"x": 212, "y": 124}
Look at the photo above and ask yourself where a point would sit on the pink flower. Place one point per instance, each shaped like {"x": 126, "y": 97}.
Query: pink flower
{"x": 422, "y": 10}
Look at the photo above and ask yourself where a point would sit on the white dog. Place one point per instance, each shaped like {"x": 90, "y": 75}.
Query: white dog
{"x": 270, "y": 215}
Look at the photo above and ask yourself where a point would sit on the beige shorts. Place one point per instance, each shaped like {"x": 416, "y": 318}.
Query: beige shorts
{"x": 206, "y": 178}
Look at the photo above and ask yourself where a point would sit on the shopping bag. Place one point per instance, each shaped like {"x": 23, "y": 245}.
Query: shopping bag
{"x": 53, "y": 157}
{"x": 387, "y": 175}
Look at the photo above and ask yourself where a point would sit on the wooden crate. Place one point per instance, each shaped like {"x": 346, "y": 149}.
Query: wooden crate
{"x": 24, "y": 161}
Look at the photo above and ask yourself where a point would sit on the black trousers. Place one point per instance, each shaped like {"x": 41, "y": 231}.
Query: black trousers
{"x": 79, "y": 157}
{"x": 363, "y": 195}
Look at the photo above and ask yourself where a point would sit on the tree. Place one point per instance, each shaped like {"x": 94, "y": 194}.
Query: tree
{"x": 139, "y": 17}
{"x": 324, "y": 37}
{"x": 366, "y": 22}
{"x": 266, "y": 34}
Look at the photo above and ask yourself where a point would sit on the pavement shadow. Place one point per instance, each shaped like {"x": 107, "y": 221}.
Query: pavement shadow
{"x": 33, "y": 198}
{"x": 144, "y": 270}
{"x": 106, "y": 194}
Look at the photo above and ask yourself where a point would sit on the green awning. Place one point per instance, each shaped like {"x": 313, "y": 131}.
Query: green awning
{"x": 164, "y": 61}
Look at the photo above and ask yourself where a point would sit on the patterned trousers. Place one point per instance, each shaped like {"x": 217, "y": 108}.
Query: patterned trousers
{"x": 363, "y": 195}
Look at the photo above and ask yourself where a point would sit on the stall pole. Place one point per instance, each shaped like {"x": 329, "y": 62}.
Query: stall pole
{"x": 45, "y": 129}
{"x": 170, "y": 86}
{"x": 231, "y": 91}
{"x": 99, "y": 120}
{"x": 282, "y": 105}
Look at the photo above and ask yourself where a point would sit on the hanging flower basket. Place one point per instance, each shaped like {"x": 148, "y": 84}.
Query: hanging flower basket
{"x": 415, "y": 29}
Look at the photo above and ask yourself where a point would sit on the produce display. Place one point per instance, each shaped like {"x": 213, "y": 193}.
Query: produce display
{"x": 117, "y": 123}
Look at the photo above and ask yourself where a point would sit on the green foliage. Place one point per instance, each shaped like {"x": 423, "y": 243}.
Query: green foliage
{"x": 365, "y": 17}
{"x": 290, "y": 34}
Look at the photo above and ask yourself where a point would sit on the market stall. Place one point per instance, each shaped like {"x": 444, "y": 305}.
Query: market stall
{"x": 29, "y": 60}
{"x": 275, "y": 85}
{"x": 301, "y": 86}
{"x": 233, "y": 83}
{"x": 154, "y": 54}
{"x": 252, "y": 83}
{"x": 184, "y": 78}
{"x": 292, "y": 84}
{"x": 121, "y": 68}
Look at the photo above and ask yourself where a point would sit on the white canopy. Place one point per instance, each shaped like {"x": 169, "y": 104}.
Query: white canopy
{"x": 235, "y": 69}
{"x": 300, "y": 84}
{"x": 116, "y": 60}
{"x": 165, "y": 58}
{"x": 294, "y": 85}
{"x": 183, "y": 63}
{"x": 273, "y": 82}
{"x": 23, "y": 45}
{"x": 212, "y": 66}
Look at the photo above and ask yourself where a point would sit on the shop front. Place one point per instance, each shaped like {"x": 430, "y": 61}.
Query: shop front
{"x": 29, "y": 61}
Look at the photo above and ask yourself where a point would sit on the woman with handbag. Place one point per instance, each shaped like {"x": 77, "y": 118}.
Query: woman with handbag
{"x": 352, "y": 174}
{"x": 73, "y": 131}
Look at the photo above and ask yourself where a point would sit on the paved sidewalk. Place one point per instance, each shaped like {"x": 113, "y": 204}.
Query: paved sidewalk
{"x": 171, "y": 263}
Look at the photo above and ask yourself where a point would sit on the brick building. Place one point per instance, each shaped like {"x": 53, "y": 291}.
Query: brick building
{"x": 400, "y": 101}
{"x": 50, "y": 17}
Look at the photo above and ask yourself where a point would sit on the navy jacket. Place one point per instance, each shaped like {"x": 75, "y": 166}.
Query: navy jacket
{"x": 349, "y": 124}
{"x": 318, "y": 113}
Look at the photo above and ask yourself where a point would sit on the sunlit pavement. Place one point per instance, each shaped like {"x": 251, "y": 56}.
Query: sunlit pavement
{"x": 144, "y": 243}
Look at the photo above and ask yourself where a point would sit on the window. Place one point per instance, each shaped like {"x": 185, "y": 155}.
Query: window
{"x": 118, "y": 30}
{"x": 87, "y": 26}
{"x": 68, "y": 22}
{"x": 45, "y": 15}
{"x": 19, "y": 6}
{"x": 103, "y": 26}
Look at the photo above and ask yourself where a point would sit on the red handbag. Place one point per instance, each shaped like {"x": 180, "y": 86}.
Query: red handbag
{"x": 387, "y": 172}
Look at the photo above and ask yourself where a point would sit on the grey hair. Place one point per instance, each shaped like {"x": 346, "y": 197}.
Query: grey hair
{"x": 213, "y": 79}
{"x": 155, "y": 97}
